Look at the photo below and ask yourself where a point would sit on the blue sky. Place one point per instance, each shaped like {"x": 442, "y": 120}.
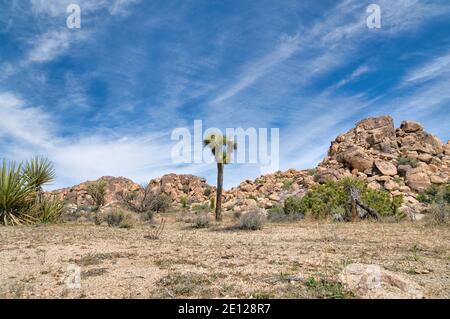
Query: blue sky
{"x": 104, "y": 99}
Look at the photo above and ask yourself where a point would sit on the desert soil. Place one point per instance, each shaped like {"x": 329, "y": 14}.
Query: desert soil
{"x": 285, "y": 260}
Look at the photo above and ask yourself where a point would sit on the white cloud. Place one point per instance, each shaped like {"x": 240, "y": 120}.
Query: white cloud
{"x": 49, "y": 45}
{"x": 30, "y": 125}
{"x": 288, "y": 46}
{"x": 432, "y": 70}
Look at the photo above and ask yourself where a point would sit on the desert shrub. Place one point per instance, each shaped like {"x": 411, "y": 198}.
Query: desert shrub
{"x": 49, "y": 210}
{"x": 252, "y": 220}
{"x": 323, "y": 200}
{"x": 160, "y": 203}
{"x": 184, "y": 202}
{"x": 127, "y": 221}
{"x": 429, "y": 195}
{"x": 440, "y": 213}
{"x": 277, "y": 214}
{"x": 97, "y": 190}
{"x": 311, "y": 171}
{"x": 119, "y": 218}
{"x": 287, "y": 184}
{"x": 202, "y": 221}
{"x": 145, "y": 201}
{"x": 435, "y": 194}
{"x": 200, "y": 207}
{"x": 294, "y": 205}
{"x": 237, "y": 215}
{"x": 408, "y": 161}
{"x": 147, "y": 216}
{"x": 446, "y": 194}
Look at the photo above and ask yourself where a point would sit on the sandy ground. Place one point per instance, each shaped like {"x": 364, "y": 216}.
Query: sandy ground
{"x": 290, "y": 260}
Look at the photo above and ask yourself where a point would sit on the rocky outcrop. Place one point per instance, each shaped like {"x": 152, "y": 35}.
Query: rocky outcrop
{"x": 78, "y": 195}
{"x": 193, "y": 188}
{"x": 268, "y": 190}
{"x": 403, "y": 161}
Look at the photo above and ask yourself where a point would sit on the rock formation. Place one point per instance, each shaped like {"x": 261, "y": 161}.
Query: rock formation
{"x": 403, "y": 161}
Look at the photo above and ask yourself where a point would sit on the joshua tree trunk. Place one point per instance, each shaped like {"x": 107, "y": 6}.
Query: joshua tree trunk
{"x": 219, "y": 191}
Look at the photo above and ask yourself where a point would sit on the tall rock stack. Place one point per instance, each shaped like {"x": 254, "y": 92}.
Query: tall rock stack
{"x": 404, "y": 161}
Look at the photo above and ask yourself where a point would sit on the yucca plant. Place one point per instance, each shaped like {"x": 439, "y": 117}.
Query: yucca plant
{"x": 48, "y": 211}
{"x": 16, "y": 195}
{"x": 221, "y": 147}
{"x": 39, "y": 171}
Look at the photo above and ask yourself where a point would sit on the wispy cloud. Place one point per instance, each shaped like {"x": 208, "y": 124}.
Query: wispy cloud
{"x": 288, "y": 46}
{"x": 437, "y": 67}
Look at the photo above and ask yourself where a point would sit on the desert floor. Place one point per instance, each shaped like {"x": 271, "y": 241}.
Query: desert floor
{"x": 285, "y": 260}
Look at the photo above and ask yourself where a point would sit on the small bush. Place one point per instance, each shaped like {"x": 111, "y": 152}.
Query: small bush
{"x": 435, "y": 194}
{"x": 237, "y": 215}
{"x": 294, "y": 205}
{"x": 184, "y": 202}
{"x": 311, "y": 171}
{"x": 408, "y": 161}
{"x": 287, "y": 184}
{"x": 147, "y": 216}
{"x": 252, "y": 220}
{"x": 160, "y": 203}
{"x": 200, "y": 207}
{"x": 114, "y": 218}
{"x": 202, "y": 221}
{"x": 118, "y": 218}
{"x": 97, "y": 190}
{"x": 277, "y": 214}
{"x": 440, "y": 213}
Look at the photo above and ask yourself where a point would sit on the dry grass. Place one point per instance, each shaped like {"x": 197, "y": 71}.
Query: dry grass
{"x": 286, "y": 260}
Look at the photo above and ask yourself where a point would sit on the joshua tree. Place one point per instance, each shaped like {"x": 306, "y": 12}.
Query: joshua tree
{"x": 221, "y": 147}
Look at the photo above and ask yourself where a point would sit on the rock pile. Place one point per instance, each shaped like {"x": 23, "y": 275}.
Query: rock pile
{"x": 403, "y": 161}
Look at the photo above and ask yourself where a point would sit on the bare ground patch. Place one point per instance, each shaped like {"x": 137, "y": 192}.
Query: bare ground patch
{"x": 286, "y": 260}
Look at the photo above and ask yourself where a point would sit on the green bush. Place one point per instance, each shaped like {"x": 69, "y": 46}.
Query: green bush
{"x": 408, "y": 161}
{"x": 184, "y": 202}
{"x": 323, "y": 200}
{"x": 294, "y": 205}
{"x": 287, "y": 184}
{"x": 435, "y": 194}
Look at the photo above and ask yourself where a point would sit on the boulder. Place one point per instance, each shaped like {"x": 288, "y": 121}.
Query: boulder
{"x": 418, "y": 180}
{"x": 403, "y": 170}
{"x": 386, "y": 168}
{"x": 411, "y": 126}
{"x": 375, "y": 282}
{"x": 356, "y": 158}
